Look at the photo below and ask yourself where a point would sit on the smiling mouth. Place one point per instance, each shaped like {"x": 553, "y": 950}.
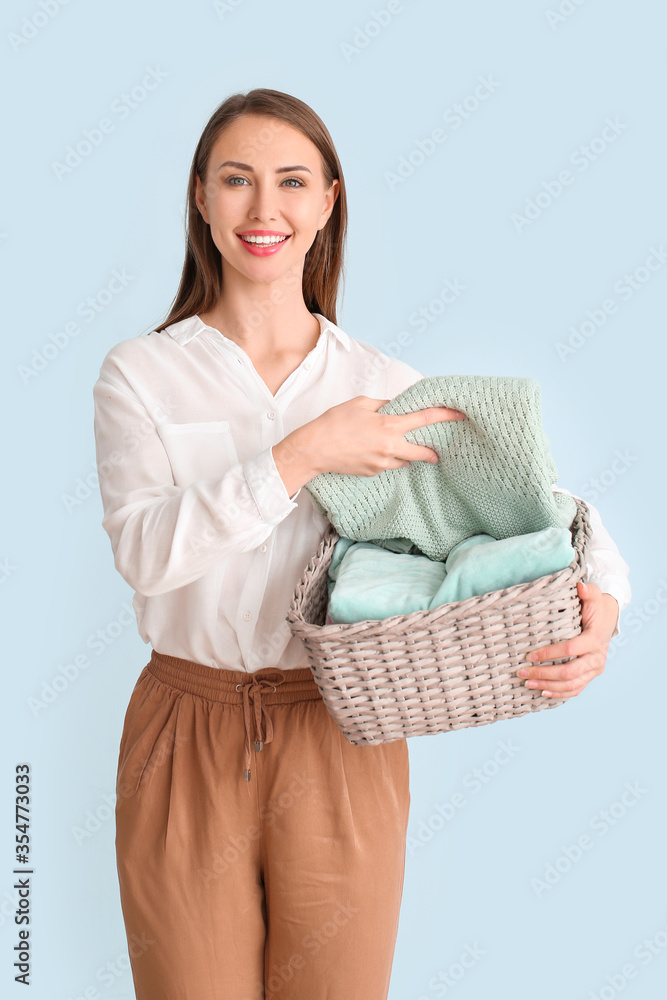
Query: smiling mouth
{"x": 264, "y": 240}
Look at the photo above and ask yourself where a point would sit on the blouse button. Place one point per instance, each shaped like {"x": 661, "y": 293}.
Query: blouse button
{"x": 307, "y": 365}
{"x": 271, "y": 414}
{"x": 262, "y": 548}
{"x": 247, "y": 616}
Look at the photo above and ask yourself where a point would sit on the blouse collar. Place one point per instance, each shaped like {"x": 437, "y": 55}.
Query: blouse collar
{"x": 183, "y": 331}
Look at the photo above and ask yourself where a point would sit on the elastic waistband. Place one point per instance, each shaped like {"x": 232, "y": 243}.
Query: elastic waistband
{"x": 227, "y": 685}
{"x": 265, "y": 687}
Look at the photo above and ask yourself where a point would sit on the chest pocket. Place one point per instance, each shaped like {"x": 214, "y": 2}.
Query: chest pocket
{"x": 199, "y": 450}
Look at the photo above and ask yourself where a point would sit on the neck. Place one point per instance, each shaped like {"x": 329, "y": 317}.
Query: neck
{"x": 267, "y": 318}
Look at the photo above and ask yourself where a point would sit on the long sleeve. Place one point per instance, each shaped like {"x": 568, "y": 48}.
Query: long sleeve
{"x": 604, "y": 564}
{"x": 165, "y": 536}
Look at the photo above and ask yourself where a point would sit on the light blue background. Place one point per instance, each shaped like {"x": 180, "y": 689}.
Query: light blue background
{"x": 470, "y": 884}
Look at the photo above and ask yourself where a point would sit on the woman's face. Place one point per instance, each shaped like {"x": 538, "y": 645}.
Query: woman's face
{"x": 264, "y": 177}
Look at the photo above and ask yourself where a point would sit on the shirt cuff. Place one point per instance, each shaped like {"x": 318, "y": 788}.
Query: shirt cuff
{"x": 267, "y": 487}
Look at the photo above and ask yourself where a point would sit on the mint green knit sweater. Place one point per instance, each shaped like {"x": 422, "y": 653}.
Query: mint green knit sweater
{"x": 494, "y": 476}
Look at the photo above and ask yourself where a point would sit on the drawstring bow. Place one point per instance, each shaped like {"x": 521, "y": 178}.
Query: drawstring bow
{"x": 253, "y": 689}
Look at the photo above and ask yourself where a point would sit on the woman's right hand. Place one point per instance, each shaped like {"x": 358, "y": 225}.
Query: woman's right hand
{"x": 354, "y": 438}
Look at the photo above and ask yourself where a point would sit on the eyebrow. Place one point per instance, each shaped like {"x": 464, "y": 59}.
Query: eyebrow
{"x": 246, "y": 166}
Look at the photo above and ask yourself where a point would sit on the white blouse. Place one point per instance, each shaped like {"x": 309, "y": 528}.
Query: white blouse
{"x": 200, "y": 522}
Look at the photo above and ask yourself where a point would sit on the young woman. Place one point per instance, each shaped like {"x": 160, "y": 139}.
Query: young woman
{"x": 259, "y": 853}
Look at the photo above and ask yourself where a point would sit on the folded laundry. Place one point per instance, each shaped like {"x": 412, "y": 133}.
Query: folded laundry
{"x": 367, "y": 582}
{"x": 494, "y": 476}
{"x": 481, "y": 564}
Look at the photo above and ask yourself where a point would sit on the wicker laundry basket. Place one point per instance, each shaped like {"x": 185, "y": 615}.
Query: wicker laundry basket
{"x": 432, "y": 671}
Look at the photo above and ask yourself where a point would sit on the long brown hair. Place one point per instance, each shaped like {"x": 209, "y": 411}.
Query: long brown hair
{"x": 201, "y": 278}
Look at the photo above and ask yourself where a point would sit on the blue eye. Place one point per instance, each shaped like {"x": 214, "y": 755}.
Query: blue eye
{"x": 236, "y": 178}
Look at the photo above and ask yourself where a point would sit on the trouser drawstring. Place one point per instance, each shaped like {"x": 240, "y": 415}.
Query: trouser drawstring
{"x": 253, "y": 689}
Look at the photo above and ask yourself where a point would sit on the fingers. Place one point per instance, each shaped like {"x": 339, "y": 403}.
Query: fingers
{"x": 579, "y": 644}
{"x": 564, "y": 688}
{"x": 416, "y": 418}
{"x": 584, "y": 646}
{"x": 420, "y": 418}
{"x": 588, "y": 591}
{"x": 564, "y": 671}
{"x": 430, "y": 415}
{"x": 443, "y": 413}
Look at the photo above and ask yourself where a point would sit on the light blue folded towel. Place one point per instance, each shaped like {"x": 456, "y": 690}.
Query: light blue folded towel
{"x": 367, "y": 582}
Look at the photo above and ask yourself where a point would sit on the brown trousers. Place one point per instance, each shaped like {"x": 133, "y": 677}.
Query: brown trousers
{"x": 260, "y": 855}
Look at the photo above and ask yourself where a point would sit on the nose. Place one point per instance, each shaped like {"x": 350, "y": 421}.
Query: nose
{"x": 263, "y": 205}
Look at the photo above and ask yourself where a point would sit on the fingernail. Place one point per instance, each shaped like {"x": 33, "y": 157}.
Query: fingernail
{"x": 532, "y": 657}
{"x": 523, "y": 672}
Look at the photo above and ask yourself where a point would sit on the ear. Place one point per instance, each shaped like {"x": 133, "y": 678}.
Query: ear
{"x": 199, "y": 198}
{"x": 329, "y": 202}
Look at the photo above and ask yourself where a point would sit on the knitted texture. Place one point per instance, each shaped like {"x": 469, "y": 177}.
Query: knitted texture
{"x": 494, "y": 476}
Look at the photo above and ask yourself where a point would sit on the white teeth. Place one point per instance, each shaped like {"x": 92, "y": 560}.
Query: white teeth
{"x": 264, "y": 239}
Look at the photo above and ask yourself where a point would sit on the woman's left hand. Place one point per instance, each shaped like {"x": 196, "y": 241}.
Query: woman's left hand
{"x": 599, "y": 616}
